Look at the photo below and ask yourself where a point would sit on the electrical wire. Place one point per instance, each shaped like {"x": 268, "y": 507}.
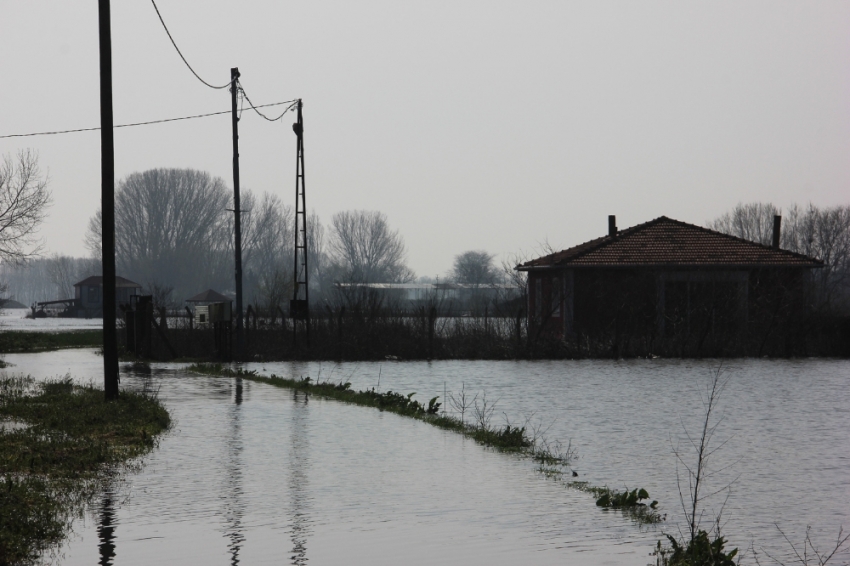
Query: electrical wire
{"x": 251, "y": 104}
{"x": 181, "y": 54}
{"x": 144, "y": 123}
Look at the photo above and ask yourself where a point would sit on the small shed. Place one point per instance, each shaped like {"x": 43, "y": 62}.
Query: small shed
{"x": 11, "y": 304}
{"x": 88, "y": 293}
{"x": 202, "y": 302}
{"x": 668, "y": 284}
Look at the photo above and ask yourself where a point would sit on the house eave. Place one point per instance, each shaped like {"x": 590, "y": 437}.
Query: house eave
{"x": 702, "y": 266}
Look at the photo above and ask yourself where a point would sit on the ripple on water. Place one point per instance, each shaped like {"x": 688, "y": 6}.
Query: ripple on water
{"x": 256, "y": 474}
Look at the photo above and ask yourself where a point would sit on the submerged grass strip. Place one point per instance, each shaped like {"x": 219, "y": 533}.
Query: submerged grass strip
{"x": 15, "y": 341}
{"x": 552, "y": 457}
{"x": 507, "y": 438}
{"x": 63, "y": 440}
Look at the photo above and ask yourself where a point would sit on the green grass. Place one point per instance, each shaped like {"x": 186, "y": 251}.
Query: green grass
{"x": 16, "y": 341}
{"x": 74, "y": 439}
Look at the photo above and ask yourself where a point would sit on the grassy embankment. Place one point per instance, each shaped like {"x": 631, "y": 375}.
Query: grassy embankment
{"x": 21, "y": 341}
{"x": 61, "y": 442}
{"x": 554, "y": 459}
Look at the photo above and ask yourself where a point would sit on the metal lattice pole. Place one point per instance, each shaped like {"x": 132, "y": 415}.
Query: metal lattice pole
{"x": 299, "y": 307}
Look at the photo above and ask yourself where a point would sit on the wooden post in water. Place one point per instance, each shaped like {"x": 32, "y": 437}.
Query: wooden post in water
{"x": 339, "y": 332}
{"x": 432, "y": 321}
{"x": 518, "y": 327}
{"x": 107, "y": 199}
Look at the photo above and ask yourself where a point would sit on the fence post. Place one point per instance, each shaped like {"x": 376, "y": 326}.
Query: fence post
{"x": 339, "y": 331}
{"x": 518, "y": 327}
{"x": 432, "y": 320}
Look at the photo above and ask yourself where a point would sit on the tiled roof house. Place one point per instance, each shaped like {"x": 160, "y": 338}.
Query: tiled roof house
{"x": 662, "y": 279}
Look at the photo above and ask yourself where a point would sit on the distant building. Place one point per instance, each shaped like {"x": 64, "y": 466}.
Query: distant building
{"x": 666, "y": 285}
{"x": 88, "y": 294}
{"x": 201, "y": 306}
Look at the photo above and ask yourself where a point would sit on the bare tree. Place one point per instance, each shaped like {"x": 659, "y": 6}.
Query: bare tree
{"x": 474, "y": 267}
{"x": 823, "y": 233}
{"x": 752, "y": 221}
{"x": 170, "y": 224}
{"x": 27, "y": 282}
{"x": 64, "y": 272}
{"x": 364, "y": 249}
{"x": 24, "y": 199}
{"x": 267, "y": 251}
{"x": 316, "y": 253}
{"x": 808, "y": 554}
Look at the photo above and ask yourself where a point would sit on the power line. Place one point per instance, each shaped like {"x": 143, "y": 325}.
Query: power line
{"x": 251, "y": 104}
{"x": 146, "y": 123}
{"x": 181, "y": 54}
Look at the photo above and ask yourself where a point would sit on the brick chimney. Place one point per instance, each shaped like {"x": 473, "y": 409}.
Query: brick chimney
{"x": 777, "y": 224}
{"x": 612, "y": 225}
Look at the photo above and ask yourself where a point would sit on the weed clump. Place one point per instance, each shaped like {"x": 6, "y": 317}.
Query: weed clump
{"x": 630, "y": 502}
{"x": 70, "y": 440}
{"x": 701, "y": 550}
{"x": 616, "y": 499}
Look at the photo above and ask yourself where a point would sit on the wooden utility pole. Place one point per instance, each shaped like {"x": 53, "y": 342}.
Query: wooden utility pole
{"x": 237, "y": 212}
{"x": 107, "y": 198}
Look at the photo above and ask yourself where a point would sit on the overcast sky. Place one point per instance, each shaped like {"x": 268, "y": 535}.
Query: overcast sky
{"x": 472, "y": 125}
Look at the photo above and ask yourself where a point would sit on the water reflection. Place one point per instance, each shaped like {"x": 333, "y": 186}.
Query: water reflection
{"x": 234, "y": 506}
{"x": 298, "y": 479}
{"x": 260, "y": 475}
{"x": 106, "y": 527}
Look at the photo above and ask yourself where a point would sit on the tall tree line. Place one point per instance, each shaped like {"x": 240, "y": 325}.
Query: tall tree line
{"x": 174, "y": 231}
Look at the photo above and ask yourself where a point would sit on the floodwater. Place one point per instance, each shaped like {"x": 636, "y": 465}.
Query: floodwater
{"x": 255, "y": 474}
{"x": 15, "y": 319}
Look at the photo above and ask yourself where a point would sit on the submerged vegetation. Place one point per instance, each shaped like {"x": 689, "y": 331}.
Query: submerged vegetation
{"x": 527, "y": 440}
{"x": 15, "y": 341}
{"x": 508, "y": 437}
{"x": 630, "y": 502}
{"x": 58, "y": 443}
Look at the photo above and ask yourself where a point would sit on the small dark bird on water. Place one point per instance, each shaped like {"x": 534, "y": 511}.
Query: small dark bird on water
{"x": 575, "y": 474}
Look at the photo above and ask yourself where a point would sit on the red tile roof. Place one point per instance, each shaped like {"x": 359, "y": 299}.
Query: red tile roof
{"x": 668, "y": 242}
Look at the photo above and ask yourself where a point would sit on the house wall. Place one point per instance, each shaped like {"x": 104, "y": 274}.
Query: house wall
{"x": 672, "y": 311}
{"x": 91, "y": 296}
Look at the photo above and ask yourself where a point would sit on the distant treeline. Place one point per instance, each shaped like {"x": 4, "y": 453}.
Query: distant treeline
{"x": 175, "y": 237}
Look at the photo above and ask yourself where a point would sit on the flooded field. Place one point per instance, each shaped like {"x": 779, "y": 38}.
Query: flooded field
{"x": 15, "y": 319}
{"x": 255, "y": 474}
